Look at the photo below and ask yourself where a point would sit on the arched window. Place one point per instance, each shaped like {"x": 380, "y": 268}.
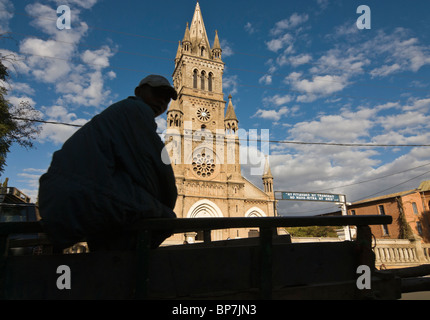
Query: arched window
{"x": 202, "y": 51}
{"x": 195, "y": 79}
{"x": 210, "y": 81}
{"x": 203, "y": 80}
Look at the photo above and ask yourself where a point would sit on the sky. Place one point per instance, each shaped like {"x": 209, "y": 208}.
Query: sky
{"x": 311, "y": 71}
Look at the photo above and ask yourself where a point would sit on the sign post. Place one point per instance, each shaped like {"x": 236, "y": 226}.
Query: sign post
{"x": 321, "y": 197}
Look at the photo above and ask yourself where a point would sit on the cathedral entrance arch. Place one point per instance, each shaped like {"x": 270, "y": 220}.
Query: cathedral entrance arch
{"x": 206, "y": 209}
{"x": 255, "y": 212}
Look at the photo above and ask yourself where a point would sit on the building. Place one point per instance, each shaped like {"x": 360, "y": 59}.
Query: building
{"x": 203, "y": 144}
{"x": 12, "y": 195}
{"x": 410, "y": 211}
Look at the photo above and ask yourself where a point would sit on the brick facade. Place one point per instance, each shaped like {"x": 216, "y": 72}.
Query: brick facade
{"x": 415, "y": 206}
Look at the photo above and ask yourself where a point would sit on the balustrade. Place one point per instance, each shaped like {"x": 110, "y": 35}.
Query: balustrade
{"x": 401, "y": 252}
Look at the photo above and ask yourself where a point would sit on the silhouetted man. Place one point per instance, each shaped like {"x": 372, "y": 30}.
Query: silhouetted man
{"x": 110, "y": 174}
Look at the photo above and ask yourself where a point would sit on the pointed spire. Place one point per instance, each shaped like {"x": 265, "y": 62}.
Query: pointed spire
{"x": 230, "y": 114}
{"x": 198, "y": 34}
{"x": 216, "y": 50}
{"x": 174, "y": 106}
{"x": 178, "y": 52}
{"x": 186, "y": 35}
{"x": 216, "y": 41}
{"x": 267, "y": 173}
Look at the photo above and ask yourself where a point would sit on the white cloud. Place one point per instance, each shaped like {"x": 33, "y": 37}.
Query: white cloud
{"x": 289, "y": 23}
{"x": 298, "y": 60}
{"x": 347, "y": 62}
{"x": 41, "y": 59}
{"x": 385, "y": 70}
{"x": 57, "y": 133}
{"x": 317, "y": 86}
{"x": 97, "y": 59}
{"x": 52, "y": 61}
{"x": 16, "y": 87}
{"x": 412, "y": 119}
{"x": 266, "y": 79}
{"x": 86, "y": 4}
{"x": 29, "y": 177}
{"x": 229, "y": 84}
{"x": 161, "y": 123}
{"x": 249, "y": 28}
{"x": 14, "y": 100}
{"x": 274, "y": 115}
{"x": 6, "y": 13}
{"x": 14, "y": 62}
{"x": 227, "y": 51}
{"x": 422, "y": 105}
{"x": 277, "y": 99}
{"x": 276, "y": 44}
{"x": 401, "y": 52}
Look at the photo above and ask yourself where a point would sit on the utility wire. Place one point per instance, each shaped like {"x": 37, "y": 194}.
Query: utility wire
{"x": 370, "y": 180}
{"x": 261, "y": 140}
{"x": 49, "y": 122}
{"x": 366, "y": 197}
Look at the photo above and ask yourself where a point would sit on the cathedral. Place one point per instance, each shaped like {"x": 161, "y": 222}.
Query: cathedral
{"x": 203, "y": 143}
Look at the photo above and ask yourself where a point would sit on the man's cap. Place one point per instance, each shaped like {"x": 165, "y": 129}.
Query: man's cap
{"x": 159, "y": 81}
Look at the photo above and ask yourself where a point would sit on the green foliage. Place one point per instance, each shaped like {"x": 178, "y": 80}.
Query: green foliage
{"x": 405, "y": 231}
{"x": 13, "y": 130}
{"x": 313, "y": 231}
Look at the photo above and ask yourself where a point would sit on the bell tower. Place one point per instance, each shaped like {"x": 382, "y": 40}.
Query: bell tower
{"x": 196, "y": 119}
{"x": 202, "y": 138}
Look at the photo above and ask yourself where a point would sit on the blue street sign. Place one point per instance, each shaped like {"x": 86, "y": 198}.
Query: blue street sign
{"x": 307, "y": 196}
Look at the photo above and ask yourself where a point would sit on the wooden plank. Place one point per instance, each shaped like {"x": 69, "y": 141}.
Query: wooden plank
{"x": 185, "y": 225}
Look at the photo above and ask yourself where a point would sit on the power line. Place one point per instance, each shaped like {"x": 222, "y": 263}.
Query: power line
{"x": 366, "y": 197}
{"x": 49, "y": 122}
{"x": 262, "y": 140}
{"x": 370, "y": 180}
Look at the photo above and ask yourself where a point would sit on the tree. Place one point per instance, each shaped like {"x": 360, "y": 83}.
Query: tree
{"x": 405, "y": 231}
{"x": 14, "y": 128}
{"x": 312, "y": 231}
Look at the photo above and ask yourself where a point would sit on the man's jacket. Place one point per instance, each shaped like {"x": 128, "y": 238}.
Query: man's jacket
{"x": 107, "y": 176}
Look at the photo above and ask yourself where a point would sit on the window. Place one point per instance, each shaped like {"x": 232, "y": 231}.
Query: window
{"x": 210, "y": 81}
{"x": 195, "y": 79}
{"x": 352, "y": 212}
{"x": 382, "y": 213}
{"x": 203, "y": 80}
{"x": 414, "y": 207}
{"x": 419, "y": 228}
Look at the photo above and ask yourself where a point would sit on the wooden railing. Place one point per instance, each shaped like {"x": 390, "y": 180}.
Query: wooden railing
{"x": 266, "y": 225}
{"x": 15, "y": 193}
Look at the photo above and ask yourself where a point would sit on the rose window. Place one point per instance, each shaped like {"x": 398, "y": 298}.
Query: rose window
{"x": 203, "y": 165}
{"x": 203, "y": 114}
